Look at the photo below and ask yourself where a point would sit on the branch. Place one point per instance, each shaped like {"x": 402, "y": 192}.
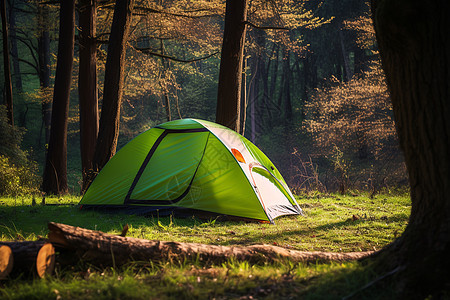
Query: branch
{"x": 30, "y": 64}
{"x": 50, "y": 2}
{"x": 152, "y": 10}
{"x": 147, "y": 51}
{"x": 265, "y": 27}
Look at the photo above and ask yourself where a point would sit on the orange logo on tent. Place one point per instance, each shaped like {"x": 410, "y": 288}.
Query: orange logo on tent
{"x": 238, "y": 155}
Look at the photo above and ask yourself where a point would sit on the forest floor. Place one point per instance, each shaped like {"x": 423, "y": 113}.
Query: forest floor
{"x": 333, "y": 223}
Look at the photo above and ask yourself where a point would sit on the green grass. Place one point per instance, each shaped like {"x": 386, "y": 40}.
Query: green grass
{"x": 332, "y": 223}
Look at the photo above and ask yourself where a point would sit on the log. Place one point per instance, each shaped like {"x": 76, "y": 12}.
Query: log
{"x": 45, "y": 260}
{"x": 6, "y": 261}
{"x": 103, "y": 249}
{"x": 23, "y": 256}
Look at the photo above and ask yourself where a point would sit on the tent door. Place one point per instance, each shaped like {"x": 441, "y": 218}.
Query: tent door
{"x": 271, "y": 193}
{"x": 169, "y": 169}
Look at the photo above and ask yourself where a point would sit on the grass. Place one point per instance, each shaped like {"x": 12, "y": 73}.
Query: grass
{"x": 332, "y": 223}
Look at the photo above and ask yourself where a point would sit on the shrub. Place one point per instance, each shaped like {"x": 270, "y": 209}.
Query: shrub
{"x": 17, "y": 180}
{"x": 17, "y": 172}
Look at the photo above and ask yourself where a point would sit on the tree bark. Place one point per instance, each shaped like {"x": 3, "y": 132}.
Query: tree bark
{"x": 55, "y": 172}
{"x": 287, "y": 103}
{"x": 14, "y": 51}
{"x": 102, "y": 249}
{"x": 44, "y": 71}
{"x": 228, "y": 111}
{"x": 348, "y": 72}
{"x": 113, "y": 86}
{"x": 7, "y": 64}
{"x": 415, "y": 51}
{"x": 87, "y": 86}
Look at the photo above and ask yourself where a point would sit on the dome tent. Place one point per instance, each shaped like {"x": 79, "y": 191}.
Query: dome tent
{"x": 193, "y": 164}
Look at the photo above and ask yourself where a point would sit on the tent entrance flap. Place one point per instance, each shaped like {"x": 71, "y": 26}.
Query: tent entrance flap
{"x": 164, "y": 178}
{"x": 271, "y": 193}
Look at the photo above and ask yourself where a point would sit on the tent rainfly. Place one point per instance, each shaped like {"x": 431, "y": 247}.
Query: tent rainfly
{"x": 195, "y": 165}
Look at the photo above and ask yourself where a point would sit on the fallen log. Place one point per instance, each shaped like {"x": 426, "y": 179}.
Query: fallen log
{"x": 23, "y": 258}
{"x": 103, "y": 249}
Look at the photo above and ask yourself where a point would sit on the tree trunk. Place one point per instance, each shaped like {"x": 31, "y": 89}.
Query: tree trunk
{"x": 348, "y": 72}
{"x": 7, "y": 65}
{"x": 55, "y": 172}
{"x": 87, "y": 86}
{"x": 14, "y": 51}
{"x": 228, "y": 111}
{"x": 102, "y": 250}
{"x": 44, "y": 71}
{"x": 252, "y": 98}
{"x": 415, "y": 50}
{"x": 165, "y": 67}
{"x": 113, "y": 86}
{"x": 287, "y": 105}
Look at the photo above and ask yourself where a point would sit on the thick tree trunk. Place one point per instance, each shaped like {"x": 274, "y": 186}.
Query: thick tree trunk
{"x": 228, "y": 111}
{"x": 413, "y": 37}
{"x": 7, "y": 64}
{"x": 113, "y": 87}
{"x": 55, "y": 172}
{"x": 102, "y": 249}
{"x": 87, "y": 86}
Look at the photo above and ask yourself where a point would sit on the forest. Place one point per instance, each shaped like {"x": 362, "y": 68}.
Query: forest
{"x": 312, "y": 94}
{"x": 349, "y": 99}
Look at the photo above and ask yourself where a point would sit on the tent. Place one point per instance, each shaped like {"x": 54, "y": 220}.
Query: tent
{"x": 196, "y": 165}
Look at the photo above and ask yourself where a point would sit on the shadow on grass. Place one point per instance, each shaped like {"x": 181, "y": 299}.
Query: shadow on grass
{"x": 356, "y": 280}
{"x": 317, "y": 230}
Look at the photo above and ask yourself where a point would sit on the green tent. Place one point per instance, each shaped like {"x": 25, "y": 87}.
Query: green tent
{"x": 196, "y": 165}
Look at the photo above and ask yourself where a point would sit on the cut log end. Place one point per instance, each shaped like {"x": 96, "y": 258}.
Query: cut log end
{"x": 6, "y": 261}
{"x": 45, "y": 260}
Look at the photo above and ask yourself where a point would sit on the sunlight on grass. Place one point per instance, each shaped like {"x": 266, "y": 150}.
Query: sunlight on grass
{"x": 331, "y": 223}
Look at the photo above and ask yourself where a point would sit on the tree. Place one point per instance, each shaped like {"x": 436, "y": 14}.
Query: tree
{"x": 43, "y": 50}
{"x": 55, "y": 172}
{"x": 415, "y": 52}
{"x": 6, "y": 64}
{"x": 228, "y": 109}
{"x": 113, "y": 86}
{"x": 14, "y": 49}
{"x": 87, "y": 86}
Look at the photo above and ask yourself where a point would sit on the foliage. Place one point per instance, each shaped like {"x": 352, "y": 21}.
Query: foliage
{"x": 11, "y": 138}
{"x": 354, "y": 116}
{"x": 18, "y": 180}
{"x": 351, "y": 122}
{"x": 18, "y": 174}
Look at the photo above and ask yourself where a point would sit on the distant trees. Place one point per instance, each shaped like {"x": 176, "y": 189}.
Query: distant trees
{"x": 55, "y": 172}
{"x": 7, "y": 64}
{"x": 172, "y": 70}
